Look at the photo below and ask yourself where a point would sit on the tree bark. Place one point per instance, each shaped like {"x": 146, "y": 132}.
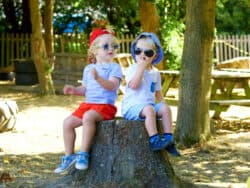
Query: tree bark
{"x": 26, "y": 23}
{"x": 120, "y": 158}
{"x": 48, "y": 27}
{"x": 150, "y": 21}
{"x": 41, "y": 60}
{"x": 10, "y": 15}
{"x": 193, "y": 124}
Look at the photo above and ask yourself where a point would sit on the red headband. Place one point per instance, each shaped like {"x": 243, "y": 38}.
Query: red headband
{"x": 98, "y": 32}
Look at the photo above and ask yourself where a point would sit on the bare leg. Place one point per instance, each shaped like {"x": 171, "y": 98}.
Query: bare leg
{"x": 166, "y": 115}
{"x": 150, "y": 120}
{"x": 69, "y": 135}
{"x": 90, "y": 119}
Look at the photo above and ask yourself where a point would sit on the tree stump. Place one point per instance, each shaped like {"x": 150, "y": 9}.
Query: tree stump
{"x": 121, "y": 158}
{"x": 8, "y": 115}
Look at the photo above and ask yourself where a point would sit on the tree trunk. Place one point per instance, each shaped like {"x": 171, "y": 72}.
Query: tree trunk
{"x": 150, "y": 20}
{"x": 121, "y": 158}
{"x": 26, "y": 24}
{"x": 10, "y": 15}
{"x": 193, "y": 123}
{"x": 48, "y": 27}
{"x": 41, "y": 60}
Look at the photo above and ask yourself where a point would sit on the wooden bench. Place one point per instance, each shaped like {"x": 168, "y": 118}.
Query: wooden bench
{"x": 169, "y": 78}
{"x": 235, "y": 63}
{"x": 222, "y": 105}
{"x": 239, "y": 78}
{"x": 8, "y": 69}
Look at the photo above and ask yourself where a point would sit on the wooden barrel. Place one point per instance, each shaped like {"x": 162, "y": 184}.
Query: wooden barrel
{"x": 25, "y": 72}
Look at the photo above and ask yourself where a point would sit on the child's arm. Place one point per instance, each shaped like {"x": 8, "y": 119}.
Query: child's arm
{"x": 136, "y": 80}
{"x": 158, "y": 96}
{"x": 72, "y": 90}
{"x": 111, "y": 84}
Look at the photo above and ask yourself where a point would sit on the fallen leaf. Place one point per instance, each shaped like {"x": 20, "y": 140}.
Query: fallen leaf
{"x": 6, "y": 159}
{"x": 6, "y": 177}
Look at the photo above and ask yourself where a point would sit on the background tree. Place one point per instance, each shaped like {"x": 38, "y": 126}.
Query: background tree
{"x": 149, "y": 23}
{"x": 172, "y": 18}
{"x": 48, "y": 27}
{"x": 16, "y": 17}
{"x": 41, "y": 60}
{"x": 133, "y": 17}
{"x": 232, "y": 17}
{"x": 26, "y": 23}
{"x": 193, "y": 124}
{"x": 11, "y": 18}
{"x": 123, "y": 16}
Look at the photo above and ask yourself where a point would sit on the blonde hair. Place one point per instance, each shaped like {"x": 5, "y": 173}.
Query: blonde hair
{"x": 92, "y": 49}
{"x": 149, "y": 40}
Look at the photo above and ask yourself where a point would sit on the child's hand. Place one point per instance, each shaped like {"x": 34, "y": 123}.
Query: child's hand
{"x": 143, "y": 61}
{"x": 94, "y": 73}
{"x": 69, "y": 90}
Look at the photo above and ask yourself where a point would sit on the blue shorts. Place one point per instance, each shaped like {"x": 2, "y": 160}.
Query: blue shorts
{"x": 134, "y": 112}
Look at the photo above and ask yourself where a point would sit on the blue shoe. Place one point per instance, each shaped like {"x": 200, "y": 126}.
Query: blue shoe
{"x": 159, "y": 144}
{"x": 82, "y": 160}
{"x": 173, "y": 151}
{"x": 67, "y": 162}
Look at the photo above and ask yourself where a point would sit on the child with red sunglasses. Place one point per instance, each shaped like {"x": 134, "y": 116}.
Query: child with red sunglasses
{"x": 143, "y": 99}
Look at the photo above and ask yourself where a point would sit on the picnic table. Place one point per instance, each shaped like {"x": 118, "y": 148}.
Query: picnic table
{"x": 223, "y": 80}
{"x": 226, "y": 81}
{"x": 168, "y": 78}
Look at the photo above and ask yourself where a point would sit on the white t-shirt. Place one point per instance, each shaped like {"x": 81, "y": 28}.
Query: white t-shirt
{"x": 145, "y": 94}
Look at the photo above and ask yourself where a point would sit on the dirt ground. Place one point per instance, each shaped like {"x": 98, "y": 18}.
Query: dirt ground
{"x": 30, "y": 152}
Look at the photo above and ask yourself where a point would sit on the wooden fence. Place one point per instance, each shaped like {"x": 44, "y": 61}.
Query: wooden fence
{"x": 228, "y": 47}
{"x": 13, "y": 46}
{"x": 18, "y": 46}
{"x": 71, "y": 43}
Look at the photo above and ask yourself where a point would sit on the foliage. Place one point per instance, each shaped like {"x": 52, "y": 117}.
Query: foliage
{"x": 71, "y": 43}
{"x": 172, "y": 15}
{"x": 6, "y": 23}
{"x": 232, "y": 16}
{"x": 15, "y": 16}
{"x": 67, "y": 12}
{"x": 125, "y": 19}
{"x": 120, "y": 15}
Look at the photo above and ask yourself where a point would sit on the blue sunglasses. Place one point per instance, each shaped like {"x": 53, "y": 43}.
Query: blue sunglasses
{"x": 108, "y": 46}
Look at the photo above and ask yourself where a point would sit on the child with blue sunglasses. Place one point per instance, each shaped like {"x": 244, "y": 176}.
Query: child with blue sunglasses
{"x": 143, "y": 99}
{"x": 100, "y": 83}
